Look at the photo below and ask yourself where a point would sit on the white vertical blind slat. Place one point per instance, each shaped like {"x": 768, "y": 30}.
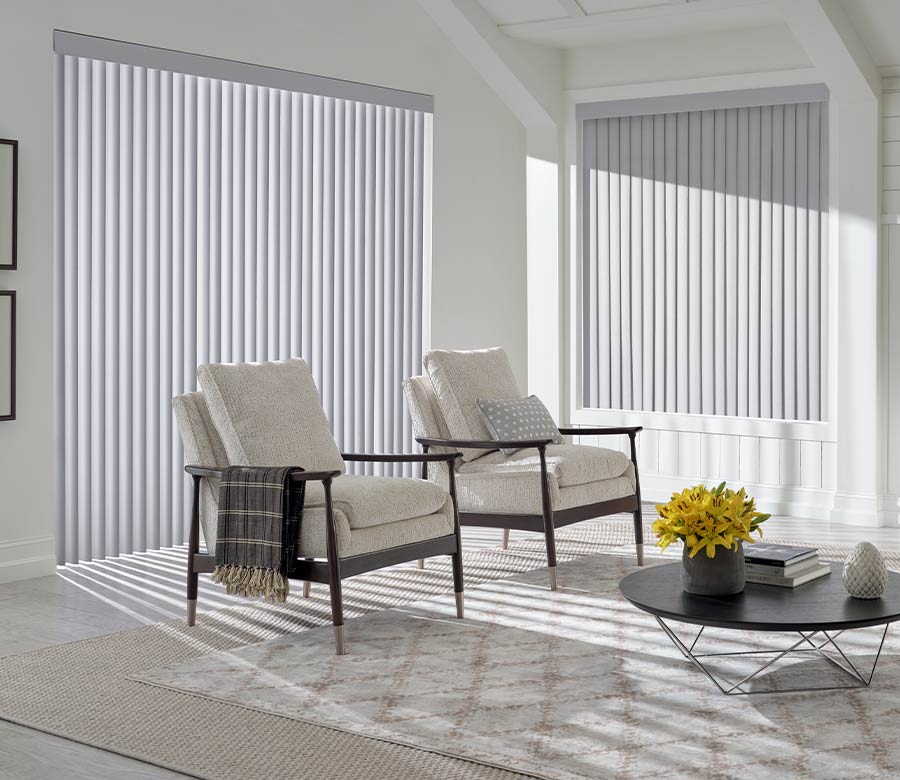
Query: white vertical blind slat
{"x": 703, "y": 254}
{"x": 201, "y": 220}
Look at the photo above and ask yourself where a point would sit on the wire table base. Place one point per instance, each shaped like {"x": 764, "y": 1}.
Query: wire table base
{"x": 821, "y": 644}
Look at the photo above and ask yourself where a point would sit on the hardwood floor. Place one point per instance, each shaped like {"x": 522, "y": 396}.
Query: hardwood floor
{"x": 106, "y": 596}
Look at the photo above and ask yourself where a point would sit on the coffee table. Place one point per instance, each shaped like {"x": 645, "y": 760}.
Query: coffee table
{"x": 819, "y": 612}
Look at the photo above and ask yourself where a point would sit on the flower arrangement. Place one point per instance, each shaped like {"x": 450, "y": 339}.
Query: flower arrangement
{"x": 706, "y": 518}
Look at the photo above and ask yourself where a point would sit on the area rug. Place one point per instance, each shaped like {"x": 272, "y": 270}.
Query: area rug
{"x": 569, "y": 685}
{"x": 86, "y": 690}
{"x": 83, "y": 690}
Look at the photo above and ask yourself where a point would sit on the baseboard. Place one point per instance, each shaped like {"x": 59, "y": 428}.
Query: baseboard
{"x": 22, "y": 559}
{"x": 799, "y": 502}
{"x": 865, "y": 510}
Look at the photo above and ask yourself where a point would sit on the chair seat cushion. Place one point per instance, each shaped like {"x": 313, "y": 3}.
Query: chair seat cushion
{"x": 571, "y": 464}
{"x": 372, "y": 538}
{"x": 519, "y": 492}
{"x": 368, "y": 501}
{"x": 354, "y": 541}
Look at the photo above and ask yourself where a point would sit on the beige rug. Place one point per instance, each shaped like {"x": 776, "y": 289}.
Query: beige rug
{"x": 570, "y": 685}
{"x": 84, "y": 690}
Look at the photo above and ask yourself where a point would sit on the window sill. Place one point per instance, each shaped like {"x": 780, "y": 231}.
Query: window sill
{"x": 800, "y": 430}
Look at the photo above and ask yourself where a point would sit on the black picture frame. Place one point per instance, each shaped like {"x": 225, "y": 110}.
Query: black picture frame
{"x": 10, "y": 263}
{"x": 11, "y": 415}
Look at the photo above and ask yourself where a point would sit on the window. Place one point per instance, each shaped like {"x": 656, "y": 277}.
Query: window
{"x": 704, "y": 254}
{"x": 204, "y": 219}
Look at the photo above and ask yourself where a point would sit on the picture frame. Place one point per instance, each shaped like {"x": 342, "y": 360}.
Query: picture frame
{"x": 7, "y": 355}
{"x": 9, "y": 203}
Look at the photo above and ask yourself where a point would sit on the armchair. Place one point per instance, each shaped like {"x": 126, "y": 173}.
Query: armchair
{"x": 270, "y": 414}
{"x": 541, "y": 487}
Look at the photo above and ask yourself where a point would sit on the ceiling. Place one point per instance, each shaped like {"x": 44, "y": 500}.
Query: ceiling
{"x": 569, "y": 24}
{"x": 878, "y": 24}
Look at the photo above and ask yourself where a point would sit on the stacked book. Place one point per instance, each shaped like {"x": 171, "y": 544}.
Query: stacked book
{"x": 783, "y": 565}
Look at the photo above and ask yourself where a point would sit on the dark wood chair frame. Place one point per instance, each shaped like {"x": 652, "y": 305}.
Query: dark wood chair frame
{"x": 549, "y": 520}
{"x": 334, "y": 568}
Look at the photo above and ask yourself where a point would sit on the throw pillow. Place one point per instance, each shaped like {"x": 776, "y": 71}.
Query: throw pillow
{"x": 518, "y": 419}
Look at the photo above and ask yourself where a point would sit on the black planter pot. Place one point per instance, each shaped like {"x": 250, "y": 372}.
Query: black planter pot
{"x": 719, "y": 576}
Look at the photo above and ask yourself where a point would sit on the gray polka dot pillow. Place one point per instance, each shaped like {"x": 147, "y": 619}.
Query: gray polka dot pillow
{"x": 518, "y": 419}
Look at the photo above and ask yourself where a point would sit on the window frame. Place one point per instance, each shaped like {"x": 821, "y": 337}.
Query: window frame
{"x": 589, "y": 104}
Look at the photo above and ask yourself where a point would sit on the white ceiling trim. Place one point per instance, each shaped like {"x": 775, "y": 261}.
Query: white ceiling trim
{"x": 704, "y": 101}
{"x": 727, "y": 82}
{"x": 834, "y": 46}
{"x": 731, "y": 13}
{"x": 572, "y": 8}
{"x": 499, "y": 61}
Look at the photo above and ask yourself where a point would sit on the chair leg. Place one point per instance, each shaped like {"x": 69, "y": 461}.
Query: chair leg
{"x": 550, "y": 538}
{"x": 193, "y": 549}
{"x": 456, "y": 558}
{"x": 421, "y": 563}
{"x": 639, "y": 536}
{"x": 638, "y": 517}
{"x": 337, "y": 610}
{"x": 334, "y": 573}
{"x": 307, "y": 586}
{"x": 547, "y": 512}
{"x": 504, "y": 544}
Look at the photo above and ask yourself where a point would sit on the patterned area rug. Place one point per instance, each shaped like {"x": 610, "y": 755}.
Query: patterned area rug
{"x": 86, "y": 691}
{"x": 569, "y": 685}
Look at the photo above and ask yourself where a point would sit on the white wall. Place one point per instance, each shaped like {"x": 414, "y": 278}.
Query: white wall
{"x": 479, "y": 185}
{"x": 749, "y": 50}
{"x": 890, "y": 208}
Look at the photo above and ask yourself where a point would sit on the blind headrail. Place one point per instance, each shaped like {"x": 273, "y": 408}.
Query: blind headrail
{"x": 703, "y": 101}
{"x": 110, "y": 50}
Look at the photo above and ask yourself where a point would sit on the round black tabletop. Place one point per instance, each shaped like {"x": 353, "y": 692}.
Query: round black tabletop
{"x": 820, "y": 605}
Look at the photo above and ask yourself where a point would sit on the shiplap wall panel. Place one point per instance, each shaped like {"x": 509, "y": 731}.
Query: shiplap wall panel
{"x": 891, "y": 177}
{"x": 209, "y": 221}
{"x": 890, "y": 103}
{"x": 702, "y": 272}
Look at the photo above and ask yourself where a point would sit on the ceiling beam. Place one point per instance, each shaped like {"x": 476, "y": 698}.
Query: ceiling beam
{"x": 526, "y": 76}
{"x": 572, "y": 8}
{"x": 740, "y": 12}
{"x": 834, "y": 47}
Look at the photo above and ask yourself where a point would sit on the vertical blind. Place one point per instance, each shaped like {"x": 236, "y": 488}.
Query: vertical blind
{"x": 703, "y": 272}
{"x": 204, "y": 220}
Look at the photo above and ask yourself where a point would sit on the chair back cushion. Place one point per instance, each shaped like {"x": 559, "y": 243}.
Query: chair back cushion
{"x": 202, "y": 447}
{"x": 270, "y": 414}
{"x": 460, "y": 379}
{"x": 427, "y": 418}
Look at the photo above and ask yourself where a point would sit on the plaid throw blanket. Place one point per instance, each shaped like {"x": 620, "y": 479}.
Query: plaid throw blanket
{"x": 260, "y": 510}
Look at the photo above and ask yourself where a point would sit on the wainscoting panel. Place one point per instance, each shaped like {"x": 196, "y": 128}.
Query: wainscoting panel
{"x": 792, "y": 477}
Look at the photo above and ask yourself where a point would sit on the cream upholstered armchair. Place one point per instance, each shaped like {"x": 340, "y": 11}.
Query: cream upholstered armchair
{"x": 540, "y": 487}
{"x": 270, "y": 414}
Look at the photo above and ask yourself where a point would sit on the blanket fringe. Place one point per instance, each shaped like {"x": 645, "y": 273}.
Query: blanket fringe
{"x": 252, "y": 582}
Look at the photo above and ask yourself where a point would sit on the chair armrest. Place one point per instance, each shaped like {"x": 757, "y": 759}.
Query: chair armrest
{"x": 203, "y": 471}
{"x": 431, "y": 457}
{"x": 483, "y": 445}
{"x": 568, "y": 430}
{"x": 300, "y": 476}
